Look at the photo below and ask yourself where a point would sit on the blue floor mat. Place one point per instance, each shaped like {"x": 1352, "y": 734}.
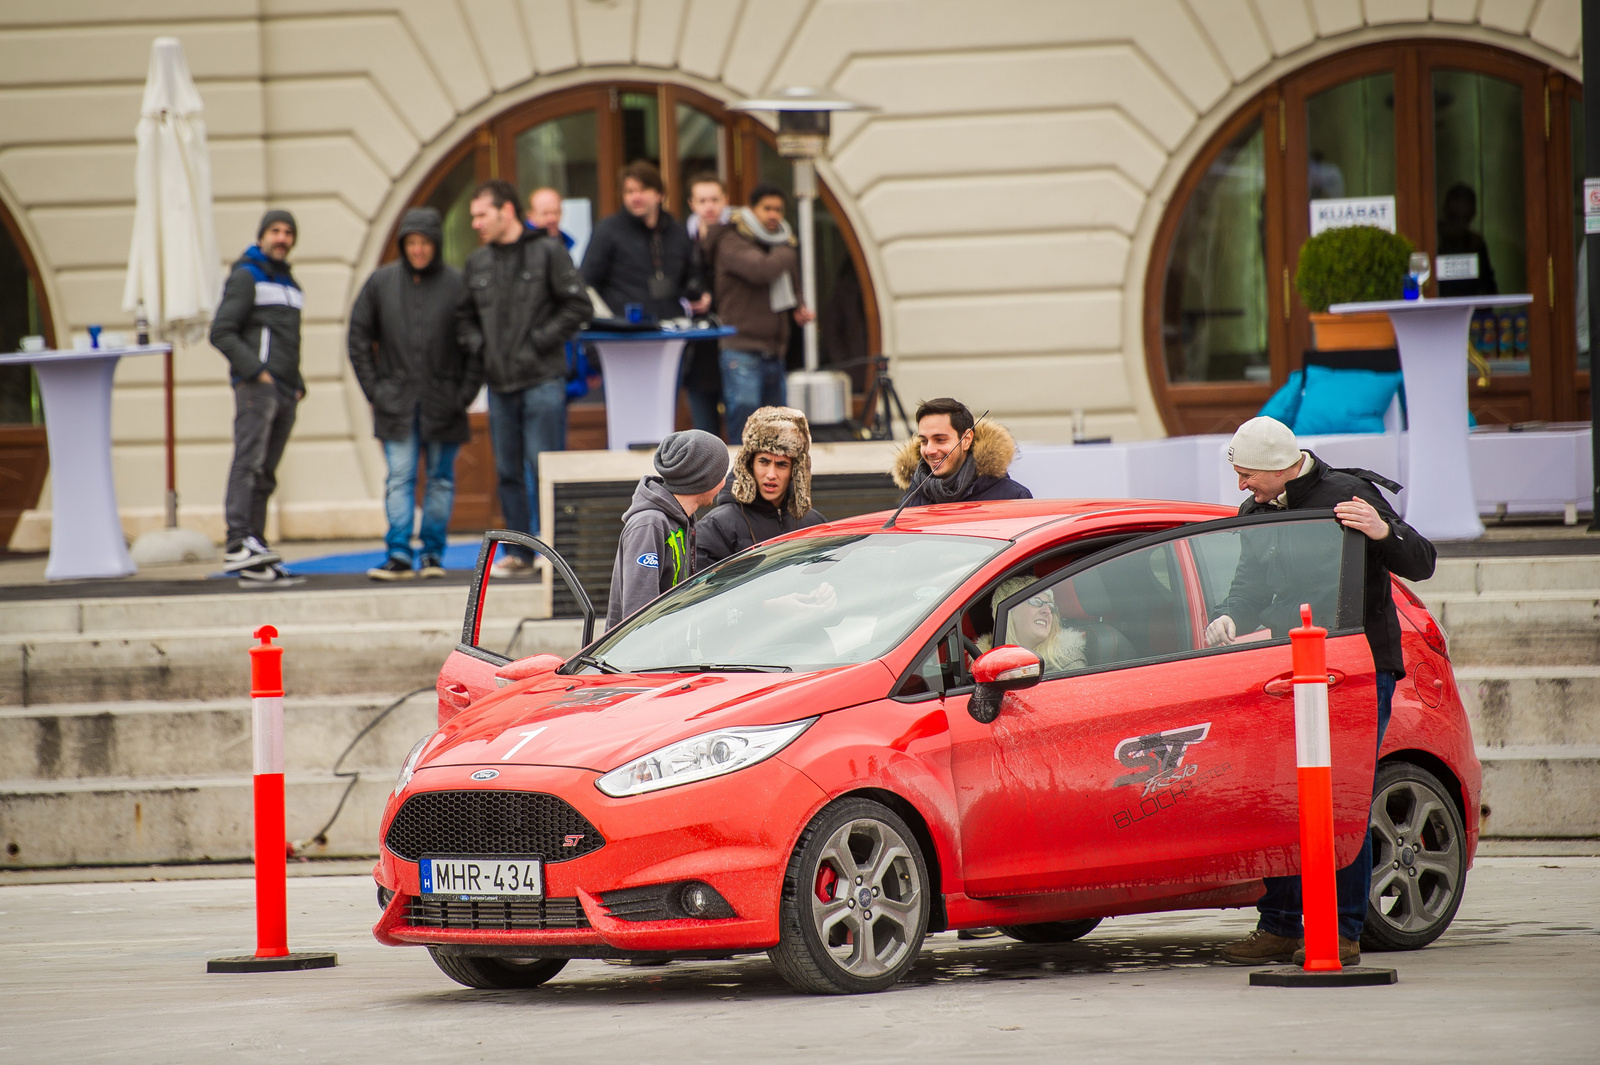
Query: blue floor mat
{"x": 463, "y": 556}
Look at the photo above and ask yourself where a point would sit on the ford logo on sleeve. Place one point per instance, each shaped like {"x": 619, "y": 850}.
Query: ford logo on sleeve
{"x": 649, "y": 560}
{"x": 486, "y": 774}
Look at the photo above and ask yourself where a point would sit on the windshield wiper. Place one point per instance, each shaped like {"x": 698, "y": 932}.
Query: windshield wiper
{"x": 598, "y": 663}
{"x": 719, "y": 667}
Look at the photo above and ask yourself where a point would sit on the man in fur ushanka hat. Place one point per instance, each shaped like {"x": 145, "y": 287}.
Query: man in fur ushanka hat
{"x": 770, "y": 490}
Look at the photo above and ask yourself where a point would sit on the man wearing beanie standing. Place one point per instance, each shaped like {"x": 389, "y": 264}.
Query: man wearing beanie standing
{"x": 1280, "y": 476}
{"x": 657, "y": 549}
{"x": 257, "y": 327}
{"x": 771, "y": 490}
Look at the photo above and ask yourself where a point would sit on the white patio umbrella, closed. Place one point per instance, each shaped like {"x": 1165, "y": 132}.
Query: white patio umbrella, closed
{"x": 173, "y": 266}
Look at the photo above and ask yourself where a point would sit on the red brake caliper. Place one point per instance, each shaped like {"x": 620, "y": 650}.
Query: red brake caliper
{"x": 826, "y": 880}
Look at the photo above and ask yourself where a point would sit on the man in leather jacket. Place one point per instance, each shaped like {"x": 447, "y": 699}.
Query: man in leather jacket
{"x": 524, "y": 300}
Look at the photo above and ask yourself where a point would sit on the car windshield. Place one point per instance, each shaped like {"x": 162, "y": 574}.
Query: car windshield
{"x": 797, "y": 605}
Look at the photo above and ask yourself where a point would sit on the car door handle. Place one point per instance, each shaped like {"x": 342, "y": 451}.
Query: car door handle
{"x": 1283, "y": 686}
{"x": 456, "y": 694}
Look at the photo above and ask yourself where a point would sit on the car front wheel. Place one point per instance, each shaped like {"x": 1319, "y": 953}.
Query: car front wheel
{"x": 496, "y": 974}
{"x": 855, "y": 902}
{"x": 1419, "y": 860}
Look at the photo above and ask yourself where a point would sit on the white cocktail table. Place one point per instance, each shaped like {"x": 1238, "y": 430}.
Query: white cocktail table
{"x": 85, "y": 531}
{"x": 1432, "y": 337}
{"x": 641, "y": 376}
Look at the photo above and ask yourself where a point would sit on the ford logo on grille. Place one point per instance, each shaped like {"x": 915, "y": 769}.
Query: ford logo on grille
{"x": 486, "y": 774}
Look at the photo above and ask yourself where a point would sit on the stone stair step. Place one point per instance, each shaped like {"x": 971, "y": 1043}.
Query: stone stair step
{"x": 202, "y": 664}
{"x": 137, "y": 740}
{"x": 1516, "y": 705}
{"x": 110, "y": 821}
{"x": 1520, "y": 628}
{"x": 247, "y": 610}
{"x": 1541, "y": 791}
{"x": 1532, "y": 573}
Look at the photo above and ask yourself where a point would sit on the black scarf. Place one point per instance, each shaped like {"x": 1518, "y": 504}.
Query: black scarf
{"x": 951, "y": 489}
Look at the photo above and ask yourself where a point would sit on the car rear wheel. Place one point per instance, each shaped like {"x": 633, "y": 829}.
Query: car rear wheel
{"x": 496, "y": 974}
{"x": 855, "y": 902}
{"x": 1051, "y": 931}
{"x": 1419, "y": 860}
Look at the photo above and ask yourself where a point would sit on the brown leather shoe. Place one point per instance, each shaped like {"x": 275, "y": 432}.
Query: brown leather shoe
{"x": 1349, "y": 953}
{"x": 1260, "y": 948}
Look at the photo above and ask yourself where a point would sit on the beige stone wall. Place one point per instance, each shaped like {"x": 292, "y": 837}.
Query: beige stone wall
{"x": 1006, "y": 194}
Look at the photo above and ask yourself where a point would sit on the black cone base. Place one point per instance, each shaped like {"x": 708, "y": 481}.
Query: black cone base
{"x": 249, "y": 963}
{"x": 1349, "y": 976}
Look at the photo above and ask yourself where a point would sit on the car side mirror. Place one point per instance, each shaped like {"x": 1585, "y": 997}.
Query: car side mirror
{"x": 1004, "y": 669}
{"x": 524, "y": 668}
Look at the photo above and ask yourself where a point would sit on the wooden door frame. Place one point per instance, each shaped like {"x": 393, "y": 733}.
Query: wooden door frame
{"x": 1543, "y": 392}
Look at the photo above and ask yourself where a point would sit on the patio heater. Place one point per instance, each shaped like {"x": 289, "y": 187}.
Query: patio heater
{"x": 803, "y": 127}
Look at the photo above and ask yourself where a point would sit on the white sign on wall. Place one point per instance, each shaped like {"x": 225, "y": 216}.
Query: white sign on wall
{"x": 1458, "y": 267}
{"x": 1591, "y": 205}
{"x": 1356, "y": 211}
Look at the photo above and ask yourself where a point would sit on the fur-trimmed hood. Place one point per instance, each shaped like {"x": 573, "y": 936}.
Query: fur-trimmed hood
{"x": 994, "y": 449}
{"x": 777, "y": 431}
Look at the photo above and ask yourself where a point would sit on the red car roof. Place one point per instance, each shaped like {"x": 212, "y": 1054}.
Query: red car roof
{"x": 1011, "y": 518}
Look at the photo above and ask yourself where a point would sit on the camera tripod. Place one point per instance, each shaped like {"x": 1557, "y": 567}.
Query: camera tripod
{"x": 880, "y": 405}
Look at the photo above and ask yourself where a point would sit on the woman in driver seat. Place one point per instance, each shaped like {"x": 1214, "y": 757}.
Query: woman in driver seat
{"x": 1034, "y": 624}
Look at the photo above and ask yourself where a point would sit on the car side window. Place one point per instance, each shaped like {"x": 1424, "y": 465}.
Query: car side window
{"x": 1259, "y": 575}
{"x": 934, "y": 672}
{"x": 1130, "y": 608}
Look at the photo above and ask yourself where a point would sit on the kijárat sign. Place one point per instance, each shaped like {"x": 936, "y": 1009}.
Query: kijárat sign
{"x": 1354, "y": 211}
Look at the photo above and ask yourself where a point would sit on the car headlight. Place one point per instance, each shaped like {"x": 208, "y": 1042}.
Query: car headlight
{"x": 710, "y": 754}
{"x": 409, "y": 767}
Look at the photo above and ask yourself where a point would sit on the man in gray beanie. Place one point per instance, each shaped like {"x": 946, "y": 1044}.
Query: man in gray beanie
{"x": 1280, "y": 476}
{"x": 657, "y": 550}
{"x": 257, "y": 329}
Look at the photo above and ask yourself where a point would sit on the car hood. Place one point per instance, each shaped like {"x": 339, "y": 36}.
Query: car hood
{"x": 601, "y": 722}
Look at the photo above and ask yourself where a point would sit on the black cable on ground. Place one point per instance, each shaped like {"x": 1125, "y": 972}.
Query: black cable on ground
{"x": 353, "y": 775}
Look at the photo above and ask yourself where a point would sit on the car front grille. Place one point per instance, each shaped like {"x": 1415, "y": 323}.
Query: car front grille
{"x": 501, "y": 915}
{"x": 509, "y": 823}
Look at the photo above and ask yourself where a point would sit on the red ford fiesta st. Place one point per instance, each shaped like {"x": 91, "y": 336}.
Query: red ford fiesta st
{"x": 981, "y": 714}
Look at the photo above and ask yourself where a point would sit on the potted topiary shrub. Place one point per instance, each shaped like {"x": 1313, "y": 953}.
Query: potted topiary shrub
{"x": 1352, "y": 264}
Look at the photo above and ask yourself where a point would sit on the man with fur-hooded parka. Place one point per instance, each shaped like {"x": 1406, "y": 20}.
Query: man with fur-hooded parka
{"x": 742, "y": 516}
{"x": 981, "y": 476}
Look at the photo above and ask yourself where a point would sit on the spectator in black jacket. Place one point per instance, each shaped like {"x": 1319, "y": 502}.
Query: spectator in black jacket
{"x": 1279, "y": 476}
{"x": 257, "y": 327}
{"x": 771, "y": 489}
{"x": 524, "y": 301}
{"x": 702, "y": 378}
{"x": 642, "y": 254}
{"x": 403, "y": 348}
{"x": 953, "y": 460}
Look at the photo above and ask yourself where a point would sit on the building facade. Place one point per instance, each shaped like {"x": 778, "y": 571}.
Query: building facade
{"x": 1059, "y": 206}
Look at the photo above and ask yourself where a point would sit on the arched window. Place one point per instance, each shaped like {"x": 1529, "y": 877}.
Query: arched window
{"x": 1482, "y": 151}
{"x": 576, "y": 142}
{"x": 24, "y": 456}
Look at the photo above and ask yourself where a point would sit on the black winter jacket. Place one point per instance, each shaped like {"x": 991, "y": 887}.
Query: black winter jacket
{"x": 523, "y": 302}
{"x": 257, "y": 324}
{"x": 1404, "y": 552}
{"x": 732, "y": 526}
{"x": 628, "y": 262}
{"x": 993, "y": 452}
{"x": 409, "y": 315}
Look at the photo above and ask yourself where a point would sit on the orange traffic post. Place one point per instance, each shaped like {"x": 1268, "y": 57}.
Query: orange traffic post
{"x": 1319, "y": 896}
{"x": 271, "y": 839}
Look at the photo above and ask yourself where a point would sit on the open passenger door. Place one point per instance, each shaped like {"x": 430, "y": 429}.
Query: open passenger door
{"x": 499, "y": 628}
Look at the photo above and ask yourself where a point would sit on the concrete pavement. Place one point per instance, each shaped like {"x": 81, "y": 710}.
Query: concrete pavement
{"x": 114, "y": 972}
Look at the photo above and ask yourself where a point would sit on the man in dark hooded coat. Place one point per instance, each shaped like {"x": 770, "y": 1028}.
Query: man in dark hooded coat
{"x": 419, "y": 381}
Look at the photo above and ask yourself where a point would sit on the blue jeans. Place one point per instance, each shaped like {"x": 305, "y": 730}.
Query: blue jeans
{"x": 400, "y": 493}
{"x": 750, "y": 380}
{"x": 1280, "y": 905}
{"x": 522, "y": 426}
